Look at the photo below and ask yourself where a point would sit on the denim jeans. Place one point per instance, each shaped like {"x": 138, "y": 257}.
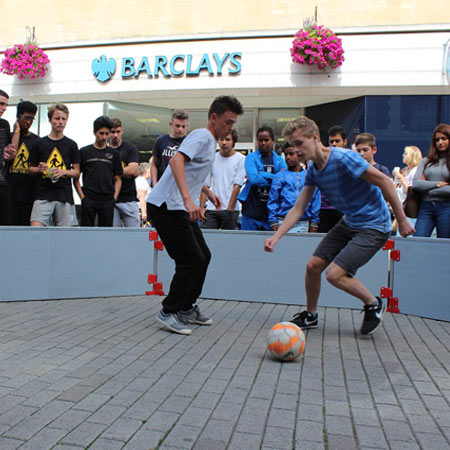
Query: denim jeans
{"x": 302, "y": 226}
{"x": 431, "y": 215}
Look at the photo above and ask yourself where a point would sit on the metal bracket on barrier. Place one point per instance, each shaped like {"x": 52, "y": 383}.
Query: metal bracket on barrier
{"x": 392, "y": 305}
{"x": 389, "y": 245}
{"x": 395, "y": 255}
{"x": 157, "y": 289}
{"x": 153, "y": 277}
{"x": 385, "y": 292}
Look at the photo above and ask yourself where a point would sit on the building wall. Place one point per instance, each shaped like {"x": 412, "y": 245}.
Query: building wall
{"x": 390, "y": 64}
{"x": 74, "y": 20}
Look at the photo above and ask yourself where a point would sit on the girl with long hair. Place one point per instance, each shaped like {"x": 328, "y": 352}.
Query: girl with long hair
{"x": 432, "y": 179}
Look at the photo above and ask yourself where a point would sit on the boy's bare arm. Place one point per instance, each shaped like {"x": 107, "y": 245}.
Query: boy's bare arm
{"x": 154, "y": 161}
{"x": 374, "y": 176}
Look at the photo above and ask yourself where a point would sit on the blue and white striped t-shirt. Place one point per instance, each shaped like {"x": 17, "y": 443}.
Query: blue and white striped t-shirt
{"x": 362, "y": 203}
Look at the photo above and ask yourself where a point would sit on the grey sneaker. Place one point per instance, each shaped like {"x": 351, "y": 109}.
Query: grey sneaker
{"x": 194, "y": 316}
{"x": 172, "y": 323}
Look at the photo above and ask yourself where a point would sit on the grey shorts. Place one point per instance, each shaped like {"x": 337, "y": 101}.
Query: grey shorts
{"x": 350, "y": 248}
{"x": 60, "y": 214}
{"x": 128, "y": 213}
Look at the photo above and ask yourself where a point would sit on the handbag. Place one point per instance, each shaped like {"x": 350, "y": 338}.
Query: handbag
{"x": 412, "y": 202}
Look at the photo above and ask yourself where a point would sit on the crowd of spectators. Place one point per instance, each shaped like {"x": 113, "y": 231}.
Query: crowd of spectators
{"x": 37, "y": 177}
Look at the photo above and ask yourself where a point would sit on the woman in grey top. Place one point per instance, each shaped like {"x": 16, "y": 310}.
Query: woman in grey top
{"x": 432, "y": 180}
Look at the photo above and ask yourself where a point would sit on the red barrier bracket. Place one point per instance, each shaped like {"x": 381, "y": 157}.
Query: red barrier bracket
{"x": 157, "y": 289}
{"x": 159, "y": 245}
{"x": 152, "y": 278}
{"x": 152, "y": 235}
{"x": 392, "y": 305}
{"x": 385, "y": 292}
{"x": 395, "y": 255}
{"x": 389, "y": 245}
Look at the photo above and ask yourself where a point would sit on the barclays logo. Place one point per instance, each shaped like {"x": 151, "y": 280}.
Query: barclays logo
{"x": 176, "y": 66}
{"x": 103, "y": 68}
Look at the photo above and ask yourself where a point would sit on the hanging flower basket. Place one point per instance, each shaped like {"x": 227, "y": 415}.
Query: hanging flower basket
{"x": 25, "y": 60}
{"x": 315, "y": 44}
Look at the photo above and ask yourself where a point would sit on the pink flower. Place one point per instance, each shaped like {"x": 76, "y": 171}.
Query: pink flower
{"x": 26, "y": 61}
{"x": 317, "y": 45}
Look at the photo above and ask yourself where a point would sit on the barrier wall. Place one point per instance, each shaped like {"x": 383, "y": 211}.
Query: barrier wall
{"x": 58, "y": 263}
{"x": 65, "y": 263}
{"x": 421, "y": 277}
{"x": 241, "y": 270}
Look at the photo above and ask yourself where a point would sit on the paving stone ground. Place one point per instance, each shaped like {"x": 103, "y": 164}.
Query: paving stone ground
{"x": 101, "y": 374}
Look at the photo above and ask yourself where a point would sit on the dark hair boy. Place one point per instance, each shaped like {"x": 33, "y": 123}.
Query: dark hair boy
{"x": 174, "y": 213}
{"x": 102, "y": 170}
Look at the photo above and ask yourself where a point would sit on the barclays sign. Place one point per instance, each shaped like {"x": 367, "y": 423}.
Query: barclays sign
{"x": 179, "y": 65}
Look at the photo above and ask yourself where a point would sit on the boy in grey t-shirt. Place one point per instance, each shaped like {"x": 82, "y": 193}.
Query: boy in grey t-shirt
{"x": 174, "y": 214}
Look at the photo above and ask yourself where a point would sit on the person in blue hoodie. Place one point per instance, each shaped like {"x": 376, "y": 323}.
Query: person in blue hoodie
{"x": 260, "y": 167}
{"x": 285, "y": 189}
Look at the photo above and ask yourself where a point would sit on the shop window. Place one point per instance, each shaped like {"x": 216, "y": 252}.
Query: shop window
{"x": 80, "y": 126}
{"x": 277, "y": 120}
{"x": 142, "y": 124}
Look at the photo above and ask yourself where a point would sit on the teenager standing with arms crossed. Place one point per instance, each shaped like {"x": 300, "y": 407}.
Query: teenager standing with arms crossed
{"x": 432, "y": 179}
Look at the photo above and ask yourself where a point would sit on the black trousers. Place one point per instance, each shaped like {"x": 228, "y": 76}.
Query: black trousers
{"x": 21, "y": 213}
{"x": 185, "y": 244}
{"x": 221, "y": 220}
{"x": 104, "y": 209}
{"x": 5, "y": 206}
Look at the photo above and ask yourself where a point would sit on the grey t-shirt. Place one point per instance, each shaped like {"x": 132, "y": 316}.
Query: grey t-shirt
{"x": 200, "y": 147}
{"x": 433, "y": 174}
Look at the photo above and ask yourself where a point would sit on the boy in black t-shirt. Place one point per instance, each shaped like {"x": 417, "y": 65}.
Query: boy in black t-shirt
{"x": 366, "y": 146}
{"x": 22, "y": 185}
{"x": 102, "y": 170}
{"x": 167, "y": 145}
{"x": 127, "y": 206}
{"x": 55, "y": 159}
{"x": 7, "y": 152}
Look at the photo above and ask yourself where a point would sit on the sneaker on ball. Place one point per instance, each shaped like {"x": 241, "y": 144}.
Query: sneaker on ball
{"x": 193, "y": 316}
{"x": 172, "y": 323}
{"x": 306, "y": 320}
{"x": 373, "y": 316}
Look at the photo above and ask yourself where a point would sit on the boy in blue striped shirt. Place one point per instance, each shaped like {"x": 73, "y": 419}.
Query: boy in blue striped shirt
{"x": 357, "y": 189}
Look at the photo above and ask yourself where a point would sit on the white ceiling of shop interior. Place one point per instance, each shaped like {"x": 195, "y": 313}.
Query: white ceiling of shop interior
{"x": 250, "y": 98}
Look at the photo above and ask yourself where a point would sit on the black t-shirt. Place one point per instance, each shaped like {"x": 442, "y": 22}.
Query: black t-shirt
{"x": 255, "y": 206}
{"x": 382, "y": 169}
{"x": 61, "y": 154}
{"x": 99, "y": 166}
{"x": 5, "y": 139}
{"x": 165, "y": 148}
{"x": 128, "y": 154}
{"x": 22, "y": 185}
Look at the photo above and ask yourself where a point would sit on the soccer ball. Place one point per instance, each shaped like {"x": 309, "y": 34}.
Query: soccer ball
{"x": 286, "y": 341}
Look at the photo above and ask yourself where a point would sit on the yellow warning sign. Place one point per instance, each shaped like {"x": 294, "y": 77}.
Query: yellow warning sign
{"x": 21, "y": 163}
{"x": 55, "y": 161}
